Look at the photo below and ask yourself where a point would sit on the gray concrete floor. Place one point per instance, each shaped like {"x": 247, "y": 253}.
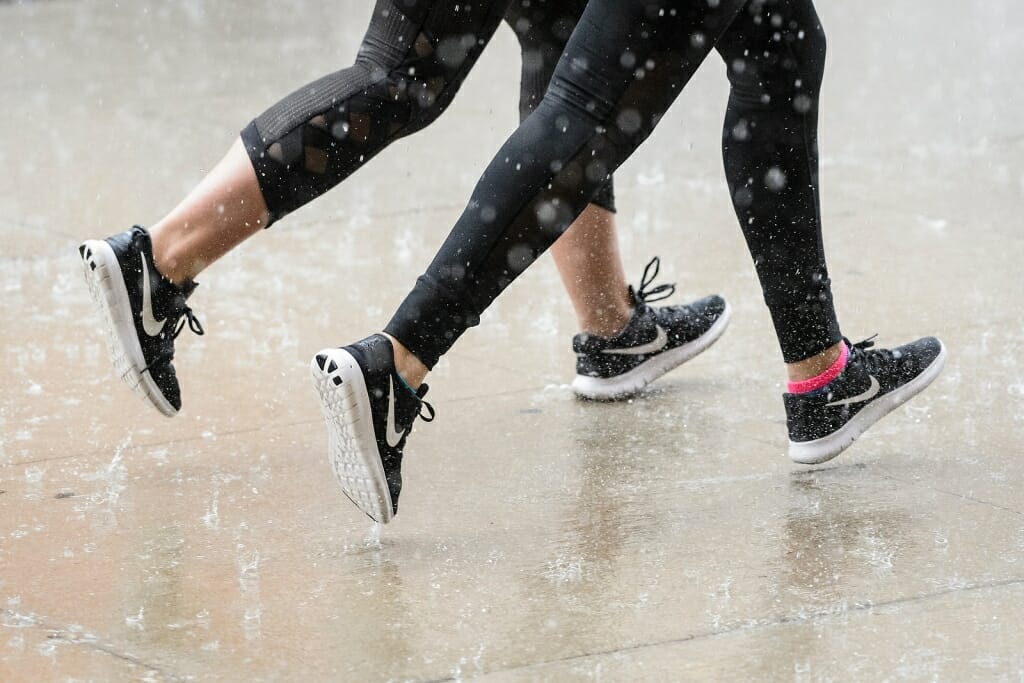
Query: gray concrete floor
{"x": 540, "y": 538}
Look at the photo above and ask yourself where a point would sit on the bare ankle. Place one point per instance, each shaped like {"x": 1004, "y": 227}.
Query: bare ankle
{"x": 815, "y": 365}
{"x": 408, "y": 366}
{"x": 607, "y": 320}
{"x": 169, "y": 261}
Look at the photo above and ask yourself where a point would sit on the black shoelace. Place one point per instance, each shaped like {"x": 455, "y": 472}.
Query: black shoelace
{"x": 193, "y": 324}
{"x": 419, "y": 411}
{"x": 187, "y": 318}
{"x": 420, "y": 403}
{"x": 644, "y": 295}
{"x": 859, "y": 350}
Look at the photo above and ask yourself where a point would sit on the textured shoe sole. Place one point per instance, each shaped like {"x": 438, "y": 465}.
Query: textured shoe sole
{"x": 629, "y": 383}
{"x": 351, "y": 445}
{"x": 106, "y": 285}
{"x": 824, "y": 449}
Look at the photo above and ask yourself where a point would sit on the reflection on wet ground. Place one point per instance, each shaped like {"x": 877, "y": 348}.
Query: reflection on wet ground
{"x": 540, "y": 538}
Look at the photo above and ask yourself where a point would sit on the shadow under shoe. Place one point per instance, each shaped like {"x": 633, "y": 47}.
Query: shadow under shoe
{"x": 142, "y": 314}
{"x": 874, "y": 382}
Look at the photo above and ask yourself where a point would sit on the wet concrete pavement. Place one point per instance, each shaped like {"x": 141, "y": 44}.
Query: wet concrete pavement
{"x": 540, "y": 538}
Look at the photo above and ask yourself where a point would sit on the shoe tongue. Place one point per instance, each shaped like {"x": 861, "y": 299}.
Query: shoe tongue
{"x": 185, "y": 288}
{"x": 175, "y": 297}
{"x": 406, "y": 388}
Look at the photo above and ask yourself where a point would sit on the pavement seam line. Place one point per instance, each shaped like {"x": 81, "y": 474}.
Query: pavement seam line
{"x": 961, "y": 496}
{"x": 805, "y": 617}
{"x": 62, "y": 634}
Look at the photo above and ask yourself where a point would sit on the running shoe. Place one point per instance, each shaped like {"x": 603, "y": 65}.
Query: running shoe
{"x": 369, "y": 411}
{"x": 873, "y": 383}
{"x": 142, "y": 314}
{"x": 654, "y": 341}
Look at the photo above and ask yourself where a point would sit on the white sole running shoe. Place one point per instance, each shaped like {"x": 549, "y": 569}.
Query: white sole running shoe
{"x": 619, "y": 383}
{"x": 369, "y": 413}
{"x": 873, "y": 384}
{"x": 140, "y": 313}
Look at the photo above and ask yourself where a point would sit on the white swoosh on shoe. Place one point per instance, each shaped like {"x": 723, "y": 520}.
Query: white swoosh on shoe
{"x": 150, "y": 324}
{"x": 390, "y": 435}
{"x": 652, "y": 347}
{"x": 869, "y": 394}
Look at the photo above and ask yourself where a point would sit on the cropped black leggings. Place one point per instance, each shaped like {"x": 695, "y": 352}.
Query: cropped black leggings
{"x": 414, "y": 57}
{"x": 625, "y": 63}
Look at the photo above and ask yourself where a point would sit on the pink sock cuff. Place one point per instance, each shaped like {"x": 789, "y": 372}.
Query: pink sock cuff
{"x": 815, "y": 383}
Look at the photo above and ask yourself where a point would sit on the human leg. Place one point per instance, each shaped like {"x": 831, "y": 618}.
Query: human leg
{"x": 622, "y": 67}
{"x": 408, "y": 69}
{"x": 603, "y": 114}
{"x": 610, "y": 315}
{"x": 587, "y": 255}
{"x": 224, "y": 210}
{"x": 625, "y": 63}
{"x": 774, "y": 54}
{"x": 411, "y": 63}
{"x": 228, "y": 205}
{"x": 590, "y": 266}
{"x": 774, "y": 91}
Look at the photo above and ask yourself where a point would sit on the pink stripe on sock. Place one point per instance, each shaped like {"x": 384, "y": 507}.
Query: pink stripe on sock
{"x": 815, "y": 383}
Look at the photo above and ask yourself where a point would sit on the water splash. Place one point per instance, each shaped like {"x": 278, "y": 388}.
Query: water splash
{"x": 373, "y": 535}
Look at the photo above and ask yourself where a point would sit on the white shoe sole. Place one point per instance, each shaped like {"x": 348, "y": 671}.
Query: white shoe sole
{"x": 351, "y": 444}
{"x": 824, "y": 449}
{"x": 108, "y": 290}
{"x": 629, "y": 383}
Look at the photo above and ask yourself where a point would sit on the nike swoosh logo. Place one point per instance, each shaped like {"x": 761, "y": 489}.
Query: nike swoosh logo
{"x": 869, "y": 394}
{"x": 653, "y": 347}
{"x": 151, "y": 325}
{"x": 390, "y": 434}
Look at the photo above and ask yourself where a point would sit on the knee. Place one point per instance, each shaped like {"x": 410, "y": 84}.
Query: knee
{"x": 792, "y": 65}
{"x": 401, "y": 98}
{"x": 420, "y": 98}
{"x": 543, "y": 29}
{"x": 420, "y": 87}
{"x": 544, "y": 24}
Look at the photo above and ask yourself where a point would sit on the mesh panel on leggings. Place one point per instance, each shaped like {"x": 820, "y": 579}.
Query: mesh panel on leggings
{"x": 389, "y": 27}
{"x": 410, "y": 64}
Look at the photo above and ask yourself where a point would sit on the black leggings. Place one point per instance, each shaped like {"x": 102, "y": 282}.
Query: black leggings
{"x": 414, "y": 57}
{"x": 623, "y": 66}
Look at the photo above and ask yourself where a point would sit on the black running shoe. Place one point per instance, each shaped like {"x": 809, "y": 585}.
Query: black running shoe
{"x": 143, "y": 313}
{"x": 873, "y": 383}
{"x": 654, "y": 341}
{"x": 369, "y": 413}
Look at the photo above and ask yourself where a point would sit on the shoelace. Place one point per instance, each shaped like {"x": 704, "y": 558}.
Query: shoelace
{"x": 863, "y": 345}
{"x": 860, "y": 348}
{"x": 419, "y": 411}
{"x": 644, "y": 295}
{"x": 188, "y": 318}
{"x": 193, "y": 324}
{"x": 420, "y": 403}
